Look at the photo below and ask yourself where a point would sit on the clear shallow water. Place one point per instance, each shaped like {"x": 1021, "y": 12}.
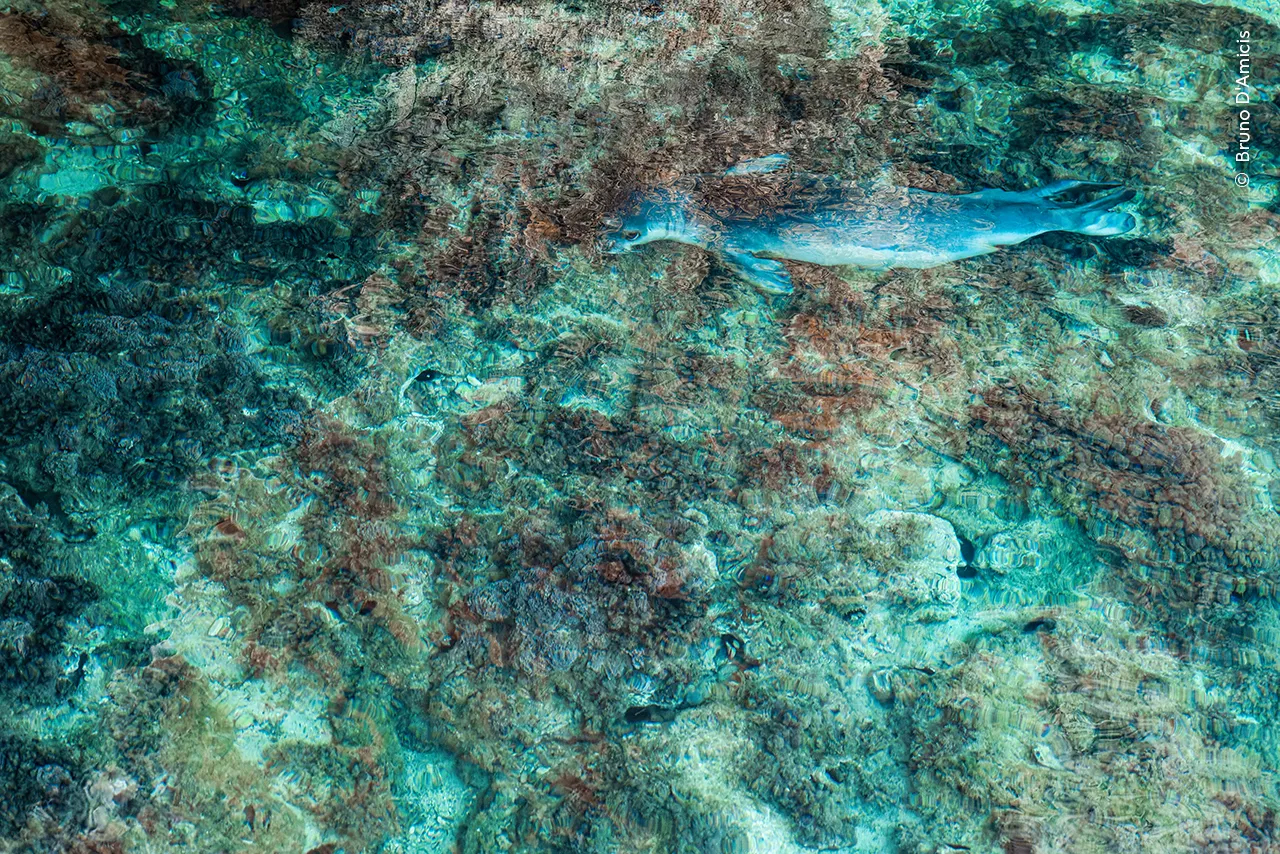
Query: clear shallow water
{"x": 352, "y": 500}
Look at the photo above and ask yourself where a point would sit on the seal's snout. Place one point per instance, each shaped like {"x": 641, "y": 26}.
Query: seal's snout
{"x": 620, "y": 241}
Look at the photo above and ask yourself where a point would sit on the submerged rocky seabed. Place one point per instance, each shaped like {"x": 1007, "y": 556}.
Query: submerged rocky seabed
{"x": 351, "y": 500}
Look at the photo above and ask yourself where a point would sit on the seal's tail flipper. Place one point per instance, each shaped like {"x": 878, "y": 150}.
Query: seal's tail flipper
{"x": 1103, "y": 224}
{"x": 765, "y": 273}
{"x": 1108, "y": 201}
{"x": 1094, "y": 218}
{"x": 1057, "y": 188}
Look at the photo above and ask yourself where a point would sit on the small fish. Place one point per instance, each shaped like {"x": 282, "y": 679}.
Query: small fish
{"x": 824, "y": 221}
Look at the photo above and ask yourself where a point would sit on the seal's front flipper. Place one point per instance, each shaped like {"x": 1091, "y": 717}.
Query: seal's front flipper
{"x": 765, "y": 273}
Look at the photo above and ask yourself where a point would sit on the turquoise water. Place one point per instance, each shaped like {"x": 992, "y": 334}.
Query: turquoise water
{"x": 353, "y": 498}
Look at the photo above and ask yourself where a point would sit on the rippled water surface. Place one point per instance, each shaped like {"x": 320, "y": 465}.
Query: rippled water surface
{"x": 354, "y": 498}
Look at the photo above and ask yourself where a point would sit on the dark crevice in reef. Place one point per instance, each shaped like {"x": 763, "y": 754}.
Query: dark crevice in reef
{"x": 40, "y": 593}
{"x": 87, "y": 63}
{"x": 36, "y": 774}
{"x": 132, "y": 369}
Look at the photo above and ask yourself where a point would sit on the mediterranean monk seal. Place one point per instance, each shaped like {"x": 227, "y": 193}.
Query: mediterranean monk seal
{"x": 752, "y": 223}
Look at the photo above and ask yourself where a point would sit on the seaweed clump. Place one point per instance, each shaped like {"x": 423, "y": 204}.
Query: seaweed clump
{"x": 1054, "y": 741}
{"x": 41, "y": 594}
{"x": 574, "y": 631}
{"x": 311, "y": 548}
{"x": 1164, "y": 498}
{"x": 341, "y": 580}
{"x": 85, "y": 68}
{"x": 77, "y": 367}
{"x": 1146, "y": 315}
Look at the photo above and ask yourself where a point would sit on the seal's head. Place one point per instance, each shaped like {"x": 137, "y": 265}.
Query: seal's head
{"x": 651, "y": 215}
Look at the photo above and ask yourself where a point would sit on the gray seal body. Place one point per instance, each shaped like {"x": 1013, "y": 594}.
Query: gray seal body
{"x": 822, "y": 221}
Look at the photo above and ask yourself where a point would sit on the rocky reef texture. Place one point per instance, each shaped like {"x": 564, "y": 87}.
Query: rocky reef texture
{"x": 352, "y": 500}
{"x": 1179, "y": 511}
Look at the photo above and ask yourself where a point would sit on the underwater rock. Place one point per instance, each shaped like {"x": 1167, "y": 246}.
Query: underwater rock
{"x": 434, "y": 801}
{"x": 491, "y": 391}
{"x": 92, "y": 78}
{"x": 880, "y": 684}
{"x": 1012, "y": 550}
{"x": 1160, "y": 496}
{"x": 920, "y": 537}
{"x": 282, "y": 201}
{"x": 925, "y": 554}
